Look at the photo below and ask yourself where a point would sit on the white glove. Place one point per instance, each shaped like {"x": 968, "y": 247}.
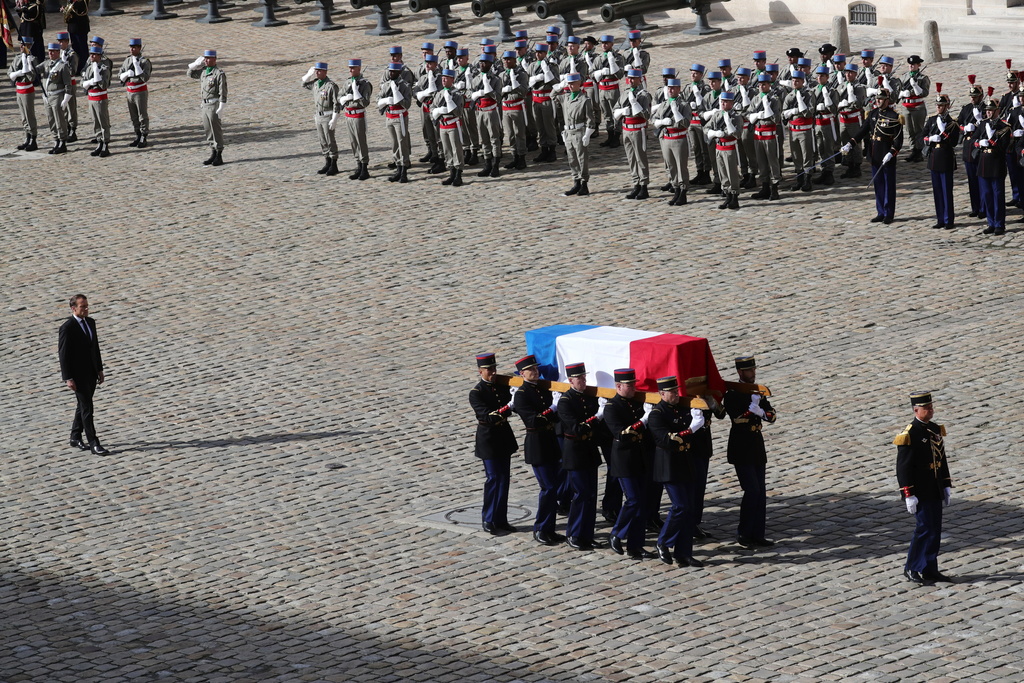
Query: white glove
{"x": 887, "y": 158}
{"x": 911, "y": 502}
{"x": 438, "y": 112}
{"x": 88, "y": 83}
{"x": 422, "y": 94}
{"x": 845, "y": 149}
{"x": 125, "y": 76}
{"x": 842, "y": 104}
{"x": 309, "y": 75}
{"x": 947, "y": 496}
{"x": 715, "y": 134}
{"x": 970, "y": 128}
{"x": 601, "y": 403}
{"x": 221, "y": 107}
{"x": 555, "y": 397}
{"x": 983, "y": 143}
{"x": 934, "y": 138}
{"x": 476, "y": 94}
{"x": 707, "y": 115}
{"x": 755, "y": 116}
{"x": 67, "y": 98}
{"x": 344, "y": 99}
{"x": 599, "y": 74}
{"x": 904, "y": 93}
{"x": 871, "y": 92}
{"x": 619, "y": 113}
{"x": 663, "y": 122}
{"x": 917, "y": 89}
{"x": 198, "y": 63}
{"x": 534, "y": 80}
{"x": 586, "y": 136}
{"x": 385, "y": 101}
{"x": 648, "y": 407}
{"x": 507, "y": 89}
{"x": 790, "y": 112}
{"x": 696, "y": 419}
{"x": 1018, "y": 133}
{"x": 334, "y": 121}
{"x": 821, "y": 106}
{"x": 755, "y": 405}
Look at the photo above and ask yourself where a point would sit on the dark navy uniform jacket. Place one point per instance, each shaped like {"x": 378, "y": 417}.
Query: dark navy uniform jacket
{"x": 942, "y": 155}
{"x": 494, "y": 436}
{"x": 921, "y": 467}
{"x": 631, "y": 454}
{"x": 746, "y": 445}
{"x": 671, "y": 457}
{"x": 580, "y": 445}
{"x": 540, "y": 446}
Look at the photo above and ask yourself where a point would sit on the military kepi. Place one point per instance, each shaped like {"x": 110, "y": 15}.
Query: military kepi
{"x": 526, "y": 362}
{"x": 745, "y": 363}
{"x": 486, "y": 360}
{"x": 921, "y": 398}
{"x": 625, "y": 376}
{"x": 575, "y": 370}
{"x": 669, "y": 383}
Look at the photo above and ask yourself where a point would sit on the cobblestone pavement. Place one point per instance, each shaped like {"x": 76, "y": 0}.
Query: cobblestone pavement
{"x": 262, "y": 324}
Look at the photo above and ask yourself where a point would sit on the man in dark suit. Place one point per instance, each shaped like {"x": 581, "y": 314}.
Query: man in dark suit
{"x": 81, "y": 368}
{"x": 495, "y": 442}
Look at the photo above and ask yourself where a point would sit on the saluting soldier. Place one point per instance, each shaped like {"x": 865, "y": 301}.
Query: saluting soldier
{"x": 68, "y": 54}
{"x": 22, "y": 72}
{"x": 671, "y": 119}
{"x": 136, "y": 70}
{"x": 634, "y": 109}
{"x": 588, "y": 50}
{"x": 451, "y": 55}
{"x": 729, "y": 80}
{"x": 694, "y": 94}
{"x": 913, "y": 93}
{"x": 446, "y": 110}
{"x": 672, "y": 426}
{"x": 608, "y": 69}
{"x": 580, "y": 124}
{"x": 543, "y": 76}
{"x": 356, "y": 98}
{"x": 667, "y": 73}
{"x": 991, "y": 139}
{"x": 514, "y": 89}
{"x": 971, "y": 115}
{"x": 799, "y": 109}
{"x": 537, "y": 408}
{"x": 485, "y": 93}
{"x": 853, "y": 99}
{"x": 886, "y": 81}
{"x": 724, "y": 127}
{"x": 327, "y": 107}
{"x": 56, "y": 76}
{"x": 427, "y": 86}
{"x": 570, "y": 61}
{"x": 630, "y": 462}
{"x": 394, "y": 103}
{"x": 922, "y": 471}
{"x": 465, "y": 73}
{"x": 426, "y": 49}
{"x": 825, "y": 129}
{"x": 766, "y": 118}
{"x": 837, "y": 79}
{"x": 495, "y": 443}
{"x": 213, "y": 90}
{"x": 882, "y": 136}
{"x": 97, "y": 80}
{"x": 746, "y": 453}
{"x": 580, "y": 416}
{"x": 941, "y": 135}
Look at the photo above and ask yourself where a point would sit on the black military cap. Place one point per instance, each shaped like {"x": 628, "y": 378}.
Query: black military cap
{"x": 794, "y": 52}
{"x": 914, "y": 59}
{"x": 921, "y": 398}
{"x": 745, "y": 363}
{"x": 528, "y": 361}
{"x": 590, "y": 39}
{"x": 827, "y": 49}
{"x": 486, "y": 360}
{"x": 575, "y": 370}
{"x": 669, "y": 383}
{"x": 625, "y": 376}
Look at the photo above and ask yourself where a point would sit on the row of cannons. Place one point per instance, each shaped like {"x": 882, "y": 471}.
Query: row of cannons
{"x": 629, "y": 12}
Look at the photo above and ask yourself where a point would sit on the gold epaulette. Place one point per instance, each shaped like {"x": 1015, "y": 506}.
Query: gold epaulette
{"x": 903, "y": 121}
{"x": 942, "y": 429}
{"x": 903, "y": 438}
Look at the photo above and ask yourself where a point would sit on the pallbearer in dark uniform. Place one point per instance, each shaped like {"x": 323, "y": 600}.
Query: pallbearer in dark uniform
{"x": 580, "y": 418}
{"x": 747, "y": 455}
{"x": 941, "y": 135}
{"x": 882, "y": 136}
{"x": 495, "y": 442}
{"x": 672, "y": 427}
{"x": 630, "y": 462}
{"x": 702, "y": 452}
{"x": 991, "y": 140}
{"x": 540, "y": 447}
{"x": 923, "y": 475}
{"x": 971, "y": 115}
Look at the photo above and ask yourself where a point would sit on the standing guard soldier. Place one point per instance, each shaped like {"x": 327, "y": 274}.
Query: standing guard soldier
{"x": 451, "y": 55}
{"x": 799, "y": 109}
{"x": 1011, "y": 99}
{"x": 523, "y": 59}
{"x": 766, "y": 118}
{"x": 56, "y": 76}
{"x": 33, "y": 22}
{"x": 136, "y": 70}
{"x": 447, "y": 111}
{"x": 724, "y": 127}
{"x": 826, "y": 131}
{"x": 853, "y": 99}
{"x": 588, "y": 51}
{"x": 213, "y": 89}
{"x": 667, "y": 73}
{"x": 356, "y": 98}
{"x": 729, "y": 81}
{"x": 867, "y": 75}
{"x": 886, "y": 80}
{"x": 672, "y": 427}
{"x": 495, "y": 443}
{"x": 427, "y": 86}
{"x": 580, "y": 124}
{"x": 671, "y": 119}
{"x": 395, "y": 57}
{"x": 394, "y": 102}
{"x": 97, "y": 80}
{"x": 922, "y": 471}
{"x": 553, "y": 37}
{"x": 826, "y": 52}
{"x": 747, "y": 455}
{"x": 991, "y": 139}
{"x": 780, "y": 91}
{"x": 914, "y": 91}
{"x": 325, "y": 116}
{"x": 484, "y": 96}
{"x": 22, "y": 72}
{"x": 634, "y": 109}
{"x": 837, "y": 79}
{"x": 630, "y": 462}
{"x": 711, "y": 105}
{"x": 608, "y": 69}
{"x": 882, "y": 136}
{"x": 742, "y": 105}
{"x": 1008, "y": 110}
{"x": 68, "y": 54}
{"x": 694, "y": 94}
{"x": 426, "y": 49}
{"x": 514, "y": 88}
{"x": 941, "y": 135}
{"x": 636, "y": 57}
{"x": 580, "y": 416}
{"x": 543, "y": 76}
{"x": 464, "y": 82}
{"x": 537, "y": 408}
{"x": 971, "y": 116}
{"x": 760, "y": 58}
{"x": 571, "y": 62}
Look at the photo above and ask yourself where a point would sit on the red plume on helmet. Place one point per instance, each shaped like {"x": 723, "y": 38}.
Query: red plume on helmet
{"x": 991, "y": 90}
{"x": 880, "y": 80}
{"x": 1009, "y": 63}
{"x": 938, "y": 87}
{"x": 971, "y": 78}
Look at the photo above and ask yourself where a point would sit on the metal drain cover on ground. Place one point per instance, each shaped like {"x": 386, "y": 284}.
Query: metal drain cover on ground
{"x": 469, "y": 515}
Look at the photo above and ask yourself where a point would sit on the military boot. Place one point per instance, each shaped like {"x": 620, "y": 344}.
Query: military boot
{"x": 584, "y": 190}
{"x": 734, "y": 201}
{"x": 521, "y": 162}
{"x": 32, "y": 145}
{"x": 457, "y": 181}
{"x": 326, "y": 167}
{"x": 213, "y": 156}
{"x": 643, "y": 193}
{"x": 486, "y": 170}
{"x": 28, "y": 139}
{"x": 142, "y": 142}
{"x": 396, "y": 176}
{"x": 135, "y": 142}
{"x": 218, "y": 160}
{"x": 104, "y": 150}
{"x": 775, "y": 192}
{"x": 451, "y": 177}
{"x": 333, "y": 169}
{"x": 716, "y": 188}
{"x": 765, "y": 192}
{"x": 364, "y": 172}
{"x": 575, "y": 189}
{"x": 96, "y": 152}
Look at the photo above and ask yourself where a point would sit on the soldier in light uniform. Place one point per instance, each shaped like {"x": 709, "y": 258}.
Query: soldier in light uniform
{"x": 524, "y": 57}
{"x": 588, "y": 50}
{"x": 725, "y": 127}
{"x": 327, "y": 107}
{"x": 580, "y": 124}
{"x": 355, "y": 97}
{"x": 852, "y": 100}
{"x": 96, "y": 81}
{"x": 634, "y": 109}
{"x": 56, "y": 76}
{"x": 798, "y": 110}
{"x": 711, "y": 105}
{"x": 68, "y": 54}
{"x": 760, "y": 58}
{"x": 971, "y": 115}
{"x": 495, "y": 443}
{"x": 446, "y": 110}
{"x": 882, "y": 135}
{"x": 885, "y": 80}
{"x": 741, "y": 105}
{"x": 95, "y": 41}
{"x": 451, "y": 55}
{"x": 694, "y": 94}
{"x": 22, "y": 72}
{"x": 514, "y": 89}
{"x": 543, "y": 77}
{"x": 484, "y": 95}
{"x": 915, "y": 88}
{"x": 635, "y": 56}
{"x": 941, "y": 135}
{"x": 837, "y": 79}
{"x": 136, "y": 70}
{"x": 867, "y": 74}
{"x": 608, "y": 69}
{"x": 826, "y": 128}
{"x": 765, "y": 117}
{"x": 729, "y": 81}
{"x": 553, "y": 38}
{"x": 406, "y": 74}
{"x": 426, "y": 50}
{"x": 570, "y": 61}
{"x": 213, "y": 90}
{"x": 394, "y": 103}
{"x": 671, "y": 118}
{"x": 427, "y": 86}
{"x": 465, "y": 72}
{"x": 667, "y": 74}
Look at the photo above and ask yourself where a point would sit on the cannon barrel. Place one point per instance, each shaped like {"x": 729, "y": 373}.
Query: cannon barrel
{"x": 420, "y": 5}
{"x": 620, "y": 10}
{"x": 481, "y": 8}
{"x": 548, "y": 8}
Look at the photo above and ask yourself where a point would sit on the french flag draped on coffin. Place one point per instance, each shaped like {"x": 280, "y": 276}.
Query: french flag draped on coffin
{"x": 603, "y": 349}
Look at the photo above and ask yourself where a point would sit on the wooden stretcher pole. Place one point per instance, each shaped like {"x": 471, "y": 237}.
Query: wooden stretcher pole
{"x": 645, "y": 396}
{"x": 697, "y": 386}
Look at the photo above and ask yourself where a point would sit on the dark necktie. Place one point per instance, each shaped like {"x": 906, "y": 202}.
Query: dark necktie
{"x": 85, "y": 328}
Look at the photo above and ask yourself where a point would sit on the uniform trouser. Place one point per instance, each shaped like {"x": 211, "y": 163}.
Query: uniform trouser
{"x": 84, "y": 390}
{"x": 592, "y": 94}
{"x": 826, "y": 146}
{"x": 701, "y": 465}
{"x": 547, "y": 499}
{"x": 530, "y": 121}
{"x": 611, "y": 502}
{"x": 635, "y": 144}
{"x": 328, "y": 141}
{"x": 1016, "y": 174}
{"x": 971, "y": 169}
{"x": 753, "y": 506}
{"x": 357, "y": 140}
{"x": 100, "y": 111}
{"x": 923, "y": 555}
{"x": 27, "y": 108}
{"x": 606, "y": 100}
{"x": 748, "y": 156}
{"x": 451, "y": 146}
{"x": 709, "y": 145}
{"x": 71, "y": 111}
{"x": 653, "y": 497}
{"x": 488, "y": 125}
{"x": 577, "y": 154}
{"x": 211, "y": 126}
{"x": 915, "y": 118}
{"x": 631, "y": 523}
{"x": 993, "y": 200}
{"x": 565, "y": 492}
{"x": 398, "y": 132}
{"x": 429, "y": 130}
{"x": 885, "y": 188}
{"x": 728, "y": 165}
{"x": 769, "y": 167}
{"x": 942, "y": 191}
{"x": 676, "y": 153}
{"x": 469, "y": 126}
{"x": 782, "y": 146}
{"x": 846, "y": 133}
{"x": 699, "y": 147}
{"x": 138, "y": 110}
{"x": 583, "y": 509}
{"x": 801, "y": 148}
{"x": 499, "y": 475}
{"x": 677, "y": 532}
{"x": 514, "y": 124}
{"x": 544, "y": 115}
{"x": 55, "y": 117}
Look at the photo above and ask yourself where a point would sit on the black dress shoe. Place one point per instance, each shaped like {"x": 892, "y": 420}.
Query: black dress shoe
{"x": 80, "y": 445}
{"x": 595, "y": 545}
{"x": 563, "y": 509}
{"x": 988, "y": 231}
{"x": 505, "y": 526}
{"x": 878, "y": 219}
{"x": 700, "y": 533}
{"x": 915, "y": 577}
{"x": 610, "y": 516}
{"x": 763, "y": 542}
{"x": 887, "y": 220}
{"x": 489, "y": 528}
{"x": 99, "y": 450}
{"x": 690, "y": 562}
{"x": 938, "y": 226}
{"x": 664, "y": 554}
{"x": 615, "y": 543}
{"x": 558, "y": 538}
{"x": 999, "y": 231}
{"x": 972, "y": 214}
{"x": 544, "y": 539}
{"x": 745, "y": 542}
{"x": 642, "y": 554}
{"x": 950, "y": 226}
{"x": 574, "y": 542}
{"x": 936, "y": 577}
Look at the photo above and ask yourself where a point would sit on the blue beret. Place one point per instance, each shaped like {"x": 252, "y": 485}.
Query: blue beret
{"x": 575, "y": 40}
{"x": 743, "y": 71}
{"x": 572, "y": 77}
{"x": 63, "y": 35}
{"x": 451, "y": 43}
{"x": 760, "y": 54}
{"x": 427, "y": 46}
{"x": 668, "y": 71}
{"x": 673, "y": 82}
{"x": 727, "y": 96}
{"x": 508, "y": 54}
{"x": 634, "y": 73}
{"x": 132, "y": 42}
{"x": 697, "y": 67}
{"x": 462, "y": 52}
{"x": 352, "y": 62}
{"x": 450, "y": 73}
{"x": 724, "y": 62}
{"x": 395, "y": 50}
{"x": 764, "y": 78}
{"x": 430, "y": 58}
{"x": 606, "y": 39}
{"x": 209, "y": 53}
{"x": 323, "y": 65}
{"x": 715, "y": 74}
{"x": 886, "y": 60}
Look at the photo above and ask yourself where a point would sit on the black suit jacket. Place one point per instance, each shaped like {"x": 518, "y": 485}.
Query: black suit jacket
{"x": 79, "y": 355}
